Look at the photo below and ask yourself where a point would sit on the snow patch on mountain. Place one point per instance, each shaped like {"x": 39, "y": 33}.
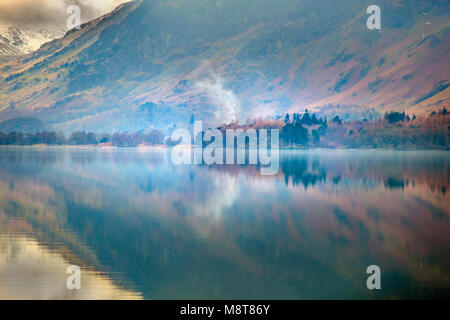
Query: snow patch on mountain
{"x": 17, "y": 40}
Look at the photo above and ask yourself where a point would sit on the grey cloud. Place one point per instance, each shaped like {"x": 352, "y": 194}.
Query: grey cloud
{"x": 51, "y": 12}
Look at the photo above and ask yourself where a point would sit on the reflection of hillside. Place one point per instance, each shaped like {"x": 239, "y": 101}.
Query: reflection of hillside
{"x": 24, "y": 261}
{"x": 34, "y": 209}
{"x": 225, "y": 232}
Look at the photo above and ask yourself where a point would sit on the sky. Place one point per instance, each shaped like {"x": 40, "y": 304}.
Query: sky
{"x": 51, "y": 12}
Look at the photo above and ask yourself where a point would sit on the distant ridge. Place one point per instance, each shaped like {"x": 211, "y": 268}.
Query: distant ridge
{"x": 23, "y": 125}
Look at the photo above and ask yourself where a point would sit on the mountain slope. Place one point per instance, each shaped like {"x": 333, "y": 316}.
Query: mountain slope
{"x": 154, "y": 63}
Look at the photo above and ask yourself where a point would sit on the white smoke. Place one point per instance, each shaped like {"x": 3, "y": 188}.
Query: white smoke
{"x": 227, "y": 103}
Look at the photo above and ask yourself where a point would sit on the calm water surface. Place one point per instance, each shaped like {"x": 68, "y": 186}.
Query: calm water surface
{"x": 140, "y": 227}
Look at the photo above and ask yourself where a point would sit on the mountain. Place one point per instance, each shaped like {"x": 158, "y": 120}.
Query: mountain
{"x": 18, "y": 40}
{"x": 153, "y": 63}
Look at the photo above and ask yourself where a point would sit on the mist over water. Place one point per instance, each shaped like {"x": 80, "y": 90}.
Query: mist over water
{"x": 141, "y": 227}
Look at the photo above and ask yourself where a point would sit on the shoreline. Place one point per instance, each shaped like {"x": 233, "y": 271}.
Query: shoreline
{"x": 165, "y": 147}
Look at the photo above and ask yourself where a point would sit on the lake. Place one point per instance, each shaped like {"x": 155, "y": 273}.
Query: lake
{"x": 140, "y": 227}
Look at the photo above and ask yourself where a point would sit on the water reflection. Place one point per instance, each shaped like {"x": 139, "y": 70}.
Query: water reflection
{"x": 149, "y": 228}
{"x": 30, "y": 271}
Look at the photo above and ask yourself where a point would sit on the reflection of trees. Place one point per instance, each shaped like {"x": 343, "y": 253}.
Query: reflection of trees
{"x": 394, "y": 170}
{"x": 393, "y": 183}
{"x": 296, "y": 170}
{"x": 27, "y": 161}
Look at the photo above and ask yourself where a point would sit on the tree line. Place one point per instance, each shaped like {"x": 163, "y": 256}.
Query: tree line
{"x": 394, "y": 130}
{"x": 124, "y": 139}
